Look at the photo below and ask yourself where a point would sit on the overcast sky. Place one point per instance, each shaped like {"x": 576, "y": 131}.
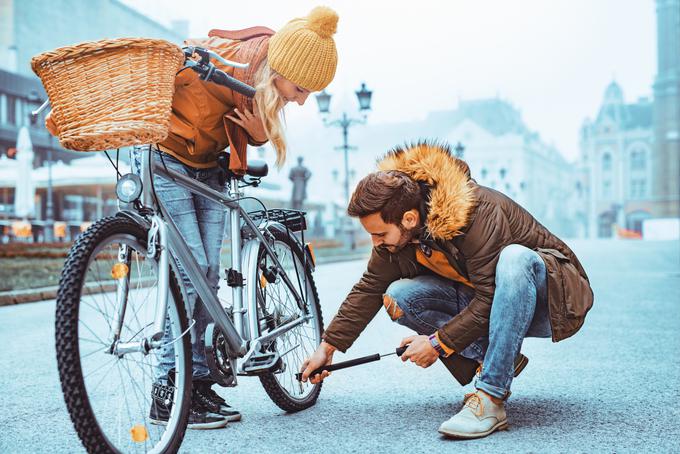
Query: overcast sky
{"x": 552, "y": 59}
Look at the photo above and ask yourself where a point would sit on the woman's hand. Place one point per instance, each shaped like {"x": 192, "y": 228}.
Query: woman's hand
{"x": 419, "y": 351}
{"x": 251, "y": 123}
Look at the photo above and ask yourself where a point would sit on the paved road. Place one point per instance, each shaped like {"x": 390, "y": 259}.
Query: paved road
{"x": 614, "y": 387}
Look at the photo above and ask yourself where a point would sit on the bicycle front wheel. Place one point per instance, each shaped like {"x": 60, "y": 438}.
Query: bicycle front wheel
{"x": 277, "y": 306}
{"x": 108, "y": 390}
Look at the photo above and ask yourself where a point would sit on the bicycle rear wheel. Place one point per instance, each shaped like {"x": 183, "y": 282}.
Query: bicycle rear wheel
{"x": 276, "y": 307}
{"x": 109, "y": 394}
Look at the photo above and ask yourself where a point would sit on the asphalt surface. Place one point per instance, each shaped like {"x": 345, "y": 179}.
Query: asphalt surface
{"x": 614, "y": 387}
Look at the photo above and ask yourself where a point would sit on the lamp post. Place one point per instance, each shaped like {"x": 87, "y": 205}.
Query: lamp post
{"x": 34, "y": 99}
{"x": 460, "y": 149}
{"x": 345, "y": 122}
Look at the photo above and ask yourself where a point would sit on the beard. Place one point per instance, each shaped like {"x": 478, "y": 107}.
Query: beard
{"x": 406, "y": 236}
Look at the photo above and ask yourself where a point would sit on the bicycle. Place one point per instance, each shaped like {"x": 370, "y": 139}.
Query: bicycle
{"x": 119, "y": 292}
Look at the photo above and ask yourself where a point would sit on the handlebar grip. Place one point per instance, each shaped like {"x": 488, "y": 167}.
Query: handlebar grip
{"x": 224, "y": 79}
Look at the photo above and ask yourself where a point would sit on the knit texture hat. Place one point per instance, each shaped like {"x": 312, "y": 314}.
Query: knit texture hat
{"x": 303, "y": 51}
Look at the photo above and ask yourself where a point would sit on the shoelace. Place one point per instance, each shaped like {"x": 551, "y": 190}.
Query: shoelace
{"x": 206, "y": 402}
{"x": 474, "y": 403}
{"x": 215, "y": 397}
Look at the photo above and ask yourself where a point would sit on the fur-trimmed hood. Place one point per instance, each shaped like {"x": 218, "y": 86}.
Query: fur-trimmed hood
{"x": 451, "y": 199}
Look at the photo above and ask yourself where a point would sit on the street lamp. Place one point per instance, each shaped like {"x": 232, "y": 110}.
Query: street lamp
{"x": 323, "y": 99}
{"x": 459, "y": 150}
{"x": 345, "y": 122}
{"x": 34, "y": 99}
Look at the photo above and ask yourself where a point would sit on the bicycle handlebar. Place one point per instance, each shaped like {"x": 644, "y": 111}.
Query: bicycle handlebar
{"x": 209, "y": 72}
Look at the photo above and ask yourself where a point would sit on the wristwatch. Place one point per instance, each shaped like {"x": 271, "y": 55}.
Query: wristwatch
{"x": 436, "y": 345}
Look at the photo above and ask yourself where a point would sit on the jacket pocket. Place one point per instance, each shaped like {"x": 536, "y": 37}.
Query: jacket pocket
{"x": 573, "y": 290}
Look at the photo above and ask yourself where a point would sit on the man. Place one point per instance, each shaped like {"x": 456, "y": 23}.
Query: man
{"x": 464, "y": 266}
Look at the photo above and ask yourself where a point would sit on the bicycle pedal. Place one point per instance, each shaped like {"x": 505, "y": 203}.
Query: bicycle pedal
{"x": 261, "y": 363}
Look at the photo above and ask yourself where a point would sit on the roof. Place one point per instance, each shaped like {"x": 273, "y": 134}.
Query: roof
{"x": 495, "y": 115}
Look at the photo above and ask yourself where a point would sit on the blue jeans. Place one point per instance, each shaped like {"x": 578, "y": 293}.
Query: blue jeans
{"x": 201, "y": 223}
{"x": 519, "y": 310}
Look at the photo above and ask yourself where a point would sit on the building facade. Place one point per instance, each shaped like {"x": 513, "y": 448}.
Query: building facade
{"x": 502, "y": 151}
{"x": 666, "y": 162}
{"x": 617, "y": 153}
{"x": 630, "y": 154}
{"x": 504, "y": 154}
{"x": 28, "y": 28}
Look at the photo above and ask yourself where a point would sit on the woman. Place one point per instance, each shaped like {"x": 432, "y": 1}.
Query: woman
{"x": 285, "y": 66}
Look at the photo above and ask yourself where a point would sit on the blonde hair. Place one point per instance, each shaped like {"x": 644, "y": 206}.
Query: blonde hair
{"x": 270, "y": 106}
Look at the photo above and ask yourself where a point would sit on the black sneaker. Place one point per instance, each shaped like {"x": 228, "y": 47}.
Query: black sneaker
{"x": 199, "y": 417}
{"x": 202, "y": 419}
{"x": 212, "y": 401}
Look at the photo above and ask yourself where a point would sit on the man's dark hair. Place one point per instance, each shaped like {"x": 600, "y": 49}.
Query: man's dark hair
{"x": 392, "y": 193}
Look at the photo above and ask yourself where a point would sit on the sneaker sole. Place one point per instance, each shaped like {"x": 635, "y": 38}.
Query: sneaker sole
{"x": 208, "y": 425}
{"x": 202, "y": 426}
{"x": 234, "y": 418}
{"x": 449, "y": 433}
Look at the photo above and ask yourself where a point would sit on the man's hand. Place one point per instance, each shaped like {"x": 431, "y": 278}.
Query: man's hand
{"x": 323, "y": 356}
{"x": 251, "y": 123}
{"x": 419, "y": 351}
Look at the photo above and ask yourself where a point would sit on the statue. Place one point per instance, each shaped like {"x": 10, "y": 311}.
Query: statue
{"x": 299, "y": 176}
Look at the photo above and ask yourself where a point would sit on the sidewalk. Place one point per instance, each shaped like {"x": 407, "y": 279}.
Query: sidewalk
{"x": 32, "y": 295}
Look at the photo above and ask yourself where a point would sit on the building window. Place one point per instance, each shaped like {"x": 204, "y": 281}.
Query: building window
{"x": 606, "y": 162}
{"x": 638, "y": 159}
{"x": 484, "y": 172}
{"x": 11, "y": 110}
{"x": 638, "y": 188}
{"x": 20, "y": 120}
{"x": 606, "y": 189}
{"x": 503, "y": 172}
{"x": 3, "y": 109}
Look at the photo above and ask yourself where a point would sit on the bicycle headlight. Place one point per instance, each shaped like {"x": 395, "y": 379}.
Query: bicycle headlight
{"x": 129, "y": 188}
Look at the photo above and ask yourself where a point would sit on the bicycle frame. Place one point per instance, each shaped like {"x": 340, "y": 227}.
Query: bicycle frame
{"x": 240, "y": 341}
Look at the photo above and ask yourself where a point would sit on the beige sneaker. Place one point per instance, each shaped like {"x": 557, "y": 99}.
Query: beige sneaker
{"x": 479, "y": 417}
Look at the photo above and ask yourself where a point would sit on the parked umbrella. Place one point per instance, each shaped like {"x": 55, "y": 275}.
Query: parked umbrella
{"x": 24, "y": 192}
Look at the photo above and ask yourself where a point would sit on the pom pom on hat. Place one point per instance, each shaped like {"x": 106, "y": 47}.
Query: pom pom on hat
{"x": 303, "y": 51}
{"x": 323, "y": 20}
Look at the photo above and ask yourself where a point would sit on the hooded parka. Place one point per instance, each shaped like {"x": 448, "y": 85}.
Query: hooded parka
{"x": 470, "y": 224}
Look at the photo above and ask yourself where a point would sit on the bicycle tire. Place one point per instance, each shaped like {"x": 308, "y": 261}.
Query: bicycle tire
{"x": 271, "y": 385}
{"x": 67, "y": 336}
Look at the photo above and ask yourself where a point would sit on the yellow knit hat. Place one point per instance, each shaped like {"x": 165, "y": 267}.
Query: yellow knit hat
{"x": 303, "y": 51}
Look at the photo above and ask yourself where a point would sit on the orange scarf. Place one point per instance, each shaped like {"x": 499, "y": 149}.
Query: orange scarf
{"x": 253, "y": 50}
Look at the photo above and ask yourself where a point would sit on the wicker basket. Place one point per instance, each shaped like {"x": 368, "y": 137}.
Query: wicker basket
{"x": 111, "y": 93}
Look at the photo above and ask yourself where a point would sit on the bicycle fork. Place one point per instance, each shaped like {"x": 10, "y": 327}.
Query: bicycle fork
{"x": 156, "y": 247}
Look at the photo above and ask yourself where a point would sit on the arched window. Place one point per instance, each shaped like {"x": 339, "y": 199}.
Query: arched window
{"x": 606, "y": 162}
{"x": 638, "y": 159}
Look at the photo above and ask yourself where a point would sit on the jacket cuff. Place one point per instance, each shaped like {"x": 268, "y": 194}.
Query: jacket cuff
{"x": 448, "y": 351}
{"x": 338, "y": 345}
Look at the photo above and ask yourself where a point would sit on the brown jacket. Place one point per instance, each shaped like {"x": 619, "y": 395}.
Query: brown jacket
{"x": 198, "y": 124}
{"x": 470, "y": 224}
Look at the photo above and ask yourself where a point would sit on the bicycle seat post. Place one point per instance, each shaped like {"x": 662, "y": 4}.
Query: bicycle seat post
{"x": 234, "y": 274}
